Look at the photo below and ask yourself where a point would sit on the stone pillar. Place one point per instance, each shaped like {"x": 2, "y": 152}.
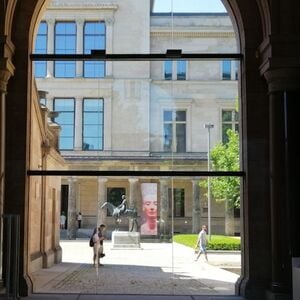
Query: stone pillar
{"x": 78, "y": 125}
{"x": 132, "y": 203}
{"x": 102, "y": 197}
{"x": 109, "y": 45}
{"x": 79, "y": 47}
{"x": 50, "y": 46}
{"x": 164, "y": 208}
{"x": 196, "y": 217}
{"x": 284, "y": 180}
{"x": 6, "y": 71}
{"x": 72, "y": 224}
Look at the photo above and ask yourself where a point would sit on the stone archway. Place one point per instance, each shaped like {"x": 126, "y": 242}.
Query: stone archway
{"x": 252, "y": 25}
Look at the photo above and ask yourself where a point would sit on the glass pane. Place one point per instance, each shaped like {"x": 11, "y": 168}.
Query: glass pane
{"x": 181, "y": 70}
{"x": 227, "y": 115}
{"x": 168, "y": 115}
{"x": 168, "y": 69}
{"x": 180, "y": 115}
{"x": 168, "y": 137}
{"x": 136, "y": 115}
{"x": 181, "y": 138}
{"x": 94, "y": 69}
{"x": 226, "y": 70}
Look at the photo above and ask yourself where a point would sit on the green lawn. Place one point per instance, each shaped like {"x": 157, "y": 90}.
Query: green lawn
{"x": 217, "y": 242}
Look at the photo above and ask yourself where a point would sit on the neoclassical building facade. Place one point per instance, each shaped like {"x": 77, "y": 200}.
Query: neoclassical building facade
{"x": 267, "y": 34}
{"x": 138, "y": 115}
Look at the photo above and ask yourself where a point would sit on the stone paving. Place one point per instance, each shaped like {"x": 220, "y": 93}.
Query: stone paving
{"x": 156, "y": 268}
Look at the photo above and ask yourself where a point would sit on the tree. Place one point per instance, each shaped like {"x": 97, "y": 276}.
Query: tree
{"x": 225, "y": 157}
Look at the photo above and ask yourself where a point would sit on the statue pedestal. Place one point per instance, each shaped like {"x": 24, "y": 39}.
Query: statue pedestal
{"x": 125, "y": 239}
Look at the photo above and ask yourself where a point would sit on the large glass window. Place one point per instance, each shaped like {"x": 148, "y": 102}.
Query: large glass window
{"x": 94, "y": 39}
{"x": 92, "y": 124}
{"x": 65, "y": 43}
{"x": 66, "y": 110}
{"x": 41, "y": 48}
{"x": 174, "y": 130}
{"x": 229, "y": 121}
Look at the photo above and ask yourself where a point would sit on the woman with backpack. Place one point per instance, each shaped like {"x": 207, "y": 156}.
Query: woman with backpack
{"x": 97, "y": 240}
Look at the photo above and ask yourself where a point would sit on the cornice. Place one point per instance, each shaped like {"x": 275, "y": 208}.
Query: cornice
{"x": 279, "y": 51}
{"x": 79, "y": 4}
{"x": 279, "y": 58}
{"x": 190, "y": 34}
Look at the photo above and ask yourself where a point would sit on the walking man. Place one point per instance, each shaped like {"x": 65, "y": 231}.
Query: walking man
{"x": 202, "y": 242}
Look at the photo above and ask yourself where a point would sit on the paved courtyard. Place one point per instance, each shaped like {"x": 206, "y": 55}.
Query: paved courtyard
{"x": 154, "y": 269}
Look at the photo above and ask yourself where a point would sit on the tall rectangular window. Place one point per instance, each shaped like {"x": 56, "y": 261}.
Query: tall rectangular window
{"x": 181, "y": 70}
{"x": 178, "y": 202}
{"x": 174, "y": 128}
{"x": 66, "y": 110}
{"x": 226, "y": 70}
{"x": 40, "y": 67}
{"x": 229, "y": 121}
{"x": 92, "y": 124}
{"x": 65, "y": 43}
{"x": 94, "y": 39}
{"x": 168, "y": 69}
{"x": 177, "y": 67}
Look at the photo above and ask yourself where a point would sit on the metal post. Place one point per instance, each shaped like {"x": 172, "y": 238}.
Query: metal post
{"x": 209, "y": 126}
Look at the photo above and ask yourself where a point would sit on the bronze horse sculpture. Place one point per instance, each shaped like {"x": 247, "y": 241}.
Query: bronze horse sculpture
{"x": 118, "y": 212}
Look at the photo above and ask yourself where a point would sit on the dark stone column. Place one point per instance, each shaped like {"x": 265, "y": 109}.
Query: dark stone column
{"x": 284, "y": 177}
{"x": 281, "y": 275}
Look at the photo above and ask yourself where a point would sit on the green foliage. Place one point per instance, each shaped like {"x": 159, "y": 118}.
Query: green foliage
{"x": 217, "y": 242}
{"x": 225, "y": 157}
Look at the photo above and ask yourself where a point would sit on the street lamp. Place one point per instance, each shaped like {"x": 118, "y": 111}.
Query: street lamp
{"x": 208, "y": 126}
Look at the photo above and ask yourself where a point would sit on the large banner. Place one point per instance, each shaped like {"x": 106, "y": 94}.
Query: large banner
{"x": 149, "y": 205}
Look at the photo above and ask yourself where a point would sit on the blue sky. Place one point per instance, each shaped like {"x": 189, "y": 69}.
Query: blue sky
{"x": 189, "y": 6}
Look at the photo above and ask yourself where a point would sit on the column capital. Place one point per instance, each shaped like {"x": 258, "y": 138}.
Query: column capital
{"x": 279, "y": 57}
{"x": 72, "y": 179}
{"x": 80, "y": 22}
{"x": 164, "y": 180}
{"x": 109, "y": 21}
{"x": 6, "y": 71}
{"x": 50, "y": 21}
{"x": 102, "y": 179}
{"x": 283, "y": 79}
{"x": 196, "y": 180}
{"x": 133, "y": 180}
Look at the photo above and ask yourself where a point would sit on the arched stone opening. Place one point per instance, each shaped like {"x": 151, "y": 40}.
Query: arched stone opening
{"x": 260, "y": 207}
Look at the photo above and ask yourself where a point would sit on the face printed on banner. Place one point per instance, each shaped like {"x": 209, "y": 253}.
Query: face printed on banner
{"x": 149, "y": 205}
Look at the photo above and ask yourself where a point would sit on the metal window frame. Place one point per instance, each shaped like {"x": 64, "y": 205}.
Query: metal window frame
{"x": 171, "y": 54}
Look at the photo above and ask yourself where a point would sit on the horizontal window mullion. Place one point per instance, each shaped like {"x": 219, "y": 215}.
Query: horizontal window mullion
{"x": 135, "y": 173}
{"x": 136, "y": 57}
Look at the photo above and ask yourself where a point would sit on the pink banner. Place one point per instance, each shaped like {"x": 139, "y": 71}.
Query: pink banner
{"x": 149, "y": 205}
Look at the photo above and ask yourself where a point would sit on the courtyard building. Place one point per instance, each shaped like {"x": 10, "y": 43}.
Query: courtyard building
{"x": 135, "y": 117}
{"x": 138, "y": 115}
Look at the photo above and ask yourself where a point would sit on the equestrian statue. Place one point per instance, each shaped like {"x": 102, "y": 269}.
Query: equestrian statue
{"x": 121, "y": 210}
